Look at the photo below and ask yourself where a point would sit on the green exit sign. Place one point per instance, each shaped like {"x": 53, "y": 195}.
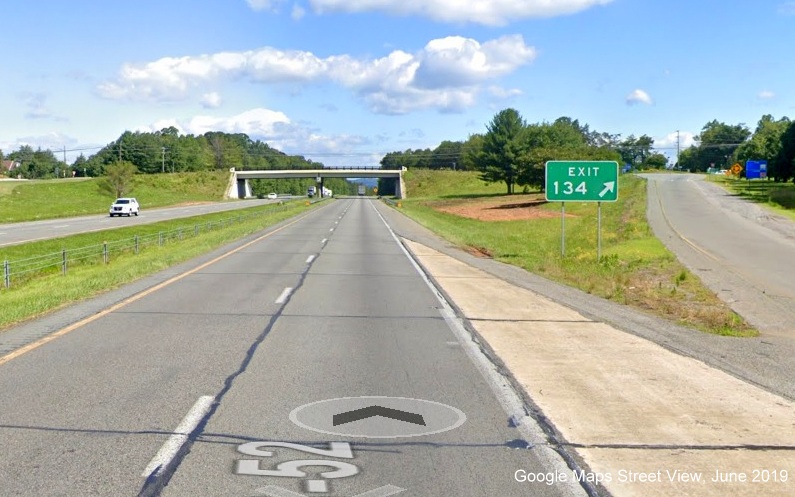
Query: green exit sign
{"x": 581, "y": 181}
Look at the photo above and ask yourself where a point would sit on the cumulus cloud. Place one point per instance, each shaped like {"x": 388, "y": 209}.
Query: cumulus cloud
{"x": 255, "y": 122}
{"x": 49, "y": 141}
{"x": 638, "y": 97}
{"x": 211, "y": 100}
{"x": 272, "y": 127}
{"x": 766, "y": 95}
{"x": 456, "y": 61}
{"x": 668, "y": 142}
{"x": 446, "y": 74}
{"x": 488, "y": 12}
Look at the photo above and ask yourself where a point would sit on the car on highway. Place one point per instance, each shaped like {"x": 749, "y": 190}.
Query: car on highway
{"x": 272, "y": 196}
{"x": 126, "y": 206}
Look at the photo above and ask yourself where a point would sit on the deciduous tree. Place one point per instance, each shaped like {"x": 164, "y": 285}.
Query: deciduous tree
{"x": 118, "y": 179}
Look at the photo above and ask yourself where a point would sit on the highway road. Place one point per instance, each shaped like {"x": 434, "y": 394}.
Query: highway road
{"x": 16, "y": 233}
{"x": 313, "y": 360}
{"x": 743, "y": 253}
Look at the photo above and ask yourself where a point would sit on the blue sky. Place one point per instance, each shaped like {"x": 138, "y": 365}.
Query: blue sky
{"x": 345, "y": 81}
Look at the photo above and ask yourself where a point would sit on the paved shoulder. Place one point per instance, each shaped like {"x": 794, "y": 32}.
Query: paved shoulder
{"x": 645, "y": 420}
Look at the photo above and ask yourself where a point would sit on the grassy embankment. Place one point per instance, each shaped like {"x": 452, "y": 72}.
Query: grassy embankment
{"x": 635, "y": 269}
{"x": 778, "y": 197}
{"x": 47, "y": 199}
{"x": 90, "y": 277}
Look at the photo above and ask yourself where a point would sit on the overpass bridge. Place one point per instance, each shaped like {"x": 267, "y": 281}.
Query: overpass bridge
{"x": 239, "y": 187}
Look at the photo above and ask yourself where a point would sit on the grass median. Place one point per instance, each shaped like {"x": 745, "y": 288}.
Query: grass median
{"x": 28, "y": 298}
{"x": 634, "y": 269}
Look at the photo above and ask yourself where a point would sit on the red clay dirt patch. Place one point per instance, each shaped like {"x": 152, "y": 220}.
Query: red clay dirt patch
{"x": 508, "y": 208}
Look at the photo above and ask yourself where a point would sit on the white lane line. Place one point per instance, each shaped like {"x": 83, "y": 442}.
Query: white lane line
{"x": 180, "y": 436}
{"x": 331, "y": 229}
{"x": 61, "y": 226}
{"x": 324, "y": 240}
{"x": 310, "y": 259}
{"x": 284, "y": 295}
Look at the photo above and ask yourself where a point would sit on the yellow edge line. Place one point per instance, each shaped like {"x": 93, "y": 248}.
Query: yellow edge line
{"x": 63, "y": 331}
{"x": 676, "y": 232}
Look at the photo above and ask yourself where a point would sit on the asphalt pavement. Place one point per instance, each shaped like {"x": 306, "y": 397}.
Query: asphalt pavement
{"x": 314, "y": 360}
{"x": 738, "y": 249}
{"x": 28, "y": 231}
{"x": 319, "y": 360}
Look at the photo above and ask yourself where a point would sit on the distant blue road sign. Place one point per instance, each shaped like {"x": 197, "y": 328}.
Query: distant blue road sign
{"x": 756, "y": 169}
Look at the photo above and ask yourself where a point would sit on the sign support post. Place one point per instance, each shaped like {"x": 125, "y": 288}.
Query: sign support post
{"x": 598, "y": 231}
{"x": 581, "y": 181}
{"x": 563, "y": 229}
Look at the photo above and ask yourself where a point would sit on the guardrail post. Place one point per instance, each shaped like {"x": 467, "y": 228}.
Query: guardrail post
{"x": 105, "y": 252}
{"x": 136, "y": 244}
{"x": 6, "y": 274}
{"x": 63, "y": 261}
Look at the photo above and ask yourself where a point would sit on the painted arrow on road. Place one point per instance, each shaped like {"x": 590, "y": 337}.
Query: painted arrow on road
{"x": 371, "y": 411}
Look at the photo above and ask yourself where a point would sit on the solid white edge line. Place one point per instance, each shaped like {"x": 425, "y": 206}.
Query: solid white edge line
{"x": 283, "y": 296}
{"x": 509, "y": 399}
{"x": 310, "y": 259}
{"x": 180, "y": 436}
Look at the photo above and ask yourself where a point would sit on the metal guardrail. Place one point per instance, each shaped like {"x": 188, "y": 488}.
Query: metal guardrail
{"x": 23, "y": 270}
{"x": 392, "y": 202}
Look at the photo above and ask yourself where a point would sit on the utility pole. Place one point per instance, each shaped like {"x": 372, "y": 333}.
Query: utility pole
{"x": 163, "y": 163}
{"x": 119, "y": 149}
{"x": 677, "y": 147}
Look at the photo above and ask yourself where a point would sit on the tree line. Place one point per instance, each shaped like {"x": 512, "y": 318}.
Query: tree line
{"x": 720, "y": 145}
{"x": 161, "y": 151}
{"x": 515, "y": 152}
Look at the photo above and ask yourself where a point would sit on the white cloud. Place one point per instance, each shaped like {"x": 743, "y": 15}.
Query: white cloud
{"x": 456, "y": 61}
{"x": 446, "y": 74}
{"x": 298, "y": 12}
{"x": 255, "y": 122}
{"x": 686, "y": 139}
{"x": 262, "y": 4}
{"x": 36, "y": 106}
{"x": 766, "y": 95}
{"x": 638, "y": 97}
{"x": 504, "y": 93}
{"x": 488, "y": 12}
{"x": 272, "y": 127}
{"x": 50, "y": 141}
{"x": 211, "y": 100}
